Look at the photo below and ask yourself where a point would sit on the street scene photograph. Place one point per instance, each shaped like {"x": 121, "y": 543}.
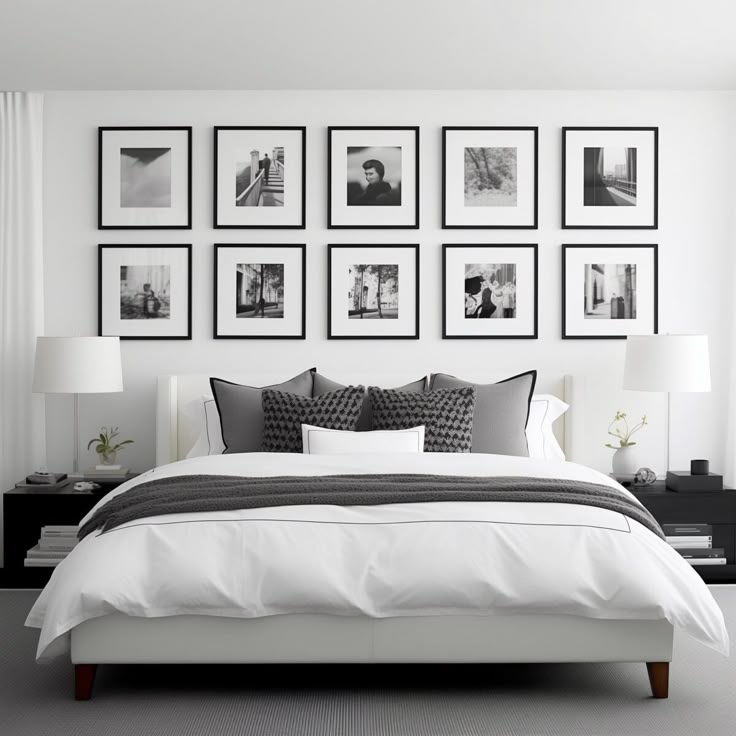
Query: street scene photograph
{"x": 373, "y": 291}
{"x": 259, "y": 290}
{"x": 610, "y": 291}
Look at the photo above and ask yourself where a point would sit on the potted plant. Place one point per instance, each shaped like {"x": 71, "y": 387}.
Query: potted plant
{"x": 625, "y": 458}
{"x": 106, "y": 447}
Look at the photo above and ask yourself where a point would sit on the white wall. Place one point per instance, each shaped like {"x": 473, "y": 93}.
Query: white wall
{"x": 695, "y": 248}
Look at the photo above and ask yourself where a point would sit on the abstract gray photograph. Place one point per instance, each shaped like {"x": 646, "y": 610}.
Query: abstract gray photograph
{"x": 373, "y": 291}
{"x": 145, "y": 292}
{"x": 610, "y": 291}
{"x": 374, "y": 176}
{"x": 259, "y": 180}
{"x": 145, "y": 177}
{"x": 609, "y": 177}
{"x": 259, "y": 290}
{"x": 490, "y": 290}
{"x": 490, "y": 177}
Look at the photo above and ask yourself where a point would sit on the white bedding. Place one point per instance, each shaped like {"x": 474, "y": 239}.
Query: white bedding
{"x": 391, "y": 560}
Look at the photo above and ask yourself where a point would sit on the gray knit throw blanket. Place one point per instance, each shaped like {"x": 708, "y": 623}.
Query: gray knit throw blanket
{"x": 204, "y": 493}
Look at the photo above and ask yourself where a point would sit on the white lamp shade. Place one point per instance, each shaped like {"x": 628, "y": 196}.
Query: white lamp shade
{"x": 667, "y": 363}
{"x": 77, "y": 365}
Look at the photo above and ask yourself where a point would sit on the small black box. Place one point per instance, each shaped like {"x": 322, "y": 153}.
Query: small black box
{"x": 683, "y": 480}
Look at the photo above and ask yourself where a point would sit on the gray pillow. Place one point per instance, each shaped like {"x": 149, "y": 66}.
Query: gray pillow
{"x": 447, "y": 415}
{"x": 322, "y": 385}
{"x": 501, "y": 412}
{"x": 284, "y": 414}
{"x": 241, "y": 413}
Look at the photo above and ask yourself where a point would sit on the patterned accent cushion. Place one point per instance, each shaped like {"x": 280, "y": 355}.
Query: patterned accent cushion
{"x": 284, "y": 414}
{"x": 447, "y": 415}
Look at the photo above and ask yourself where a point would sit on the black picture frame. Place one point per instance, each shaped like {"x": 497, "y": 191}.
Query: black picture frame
{"x": 332, "y": 225}
{"x": 331, "y": 248}
{"x": 102, "y": 248}
{"x": 566, "y": 248}
{"x": 215, "y": 209}
{"x": 654, "y": 225}
{"x": 452, "y": 128}
{"x": 534, "y": 334}
{"x": 101, "y": 130}
{"x": 219, "y": 248}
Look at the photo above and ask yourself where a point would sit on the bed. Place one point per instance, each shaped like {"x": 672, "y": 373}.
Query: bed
{"x": 385, "y": 583}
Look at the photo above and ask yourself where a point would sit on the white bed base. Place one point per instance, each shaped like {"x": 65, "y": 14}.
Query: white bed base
{"x": 301, "y": 638}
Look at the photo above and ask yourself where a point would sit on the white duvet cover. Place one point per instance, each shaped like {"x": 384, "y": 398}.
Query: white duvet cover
{"x": 408, "y": 559}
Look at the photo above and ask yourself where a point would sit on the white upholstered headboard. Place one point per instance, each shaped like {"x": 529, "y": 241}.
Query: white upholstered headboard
{"x": 174, "y": 438}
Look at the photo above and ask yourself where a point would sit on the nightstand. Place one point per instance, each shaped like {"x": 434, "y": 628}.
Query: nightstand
{"x": 25, "y": 511}
{"x": 699, "y": 507}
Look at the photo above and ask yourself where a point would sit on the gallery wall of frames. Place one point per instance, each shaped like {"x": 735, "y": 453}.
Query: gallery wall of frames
{"x": 490, "y": 181}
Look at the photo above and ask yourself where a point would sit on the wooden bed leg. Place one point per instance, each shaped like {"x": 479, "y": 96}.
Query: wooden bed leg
{"x": 84, "y": 677}
{"x": 659, "y": 678}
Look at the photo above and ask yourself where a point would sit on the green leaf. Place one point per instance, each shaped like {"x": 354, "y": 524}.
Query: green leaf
{"x": 91, "y": 442}
{"x": 100, "y": 449}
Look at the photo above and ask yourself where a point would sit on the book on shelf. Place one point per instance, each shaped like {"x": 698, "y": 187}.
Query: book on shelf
{"x": 58, "y": 545}
{"x": 687, "y": 530}
{"x": 39, "y": 552}
{"x": 37, "y": 562}
{"x": 699, "y": 542}
{"x": 44, "y": 479}
{"x": 44, "y": 486}
{"x": 107, "y": 471}
{"x": 702, "y": 552}
{"x": 697, "y": 561}
{"x": 60, "y": 529}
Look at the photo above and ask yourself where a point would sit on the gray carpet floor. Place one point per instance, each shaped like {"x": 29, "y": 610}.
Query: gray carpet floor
{"x": 488, "y": 700}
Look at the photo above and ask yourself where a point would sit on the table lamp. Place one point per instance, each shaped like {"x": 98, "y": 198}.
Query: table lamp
{"x": 77, "y": 365}
{"x": 667, "y": 364}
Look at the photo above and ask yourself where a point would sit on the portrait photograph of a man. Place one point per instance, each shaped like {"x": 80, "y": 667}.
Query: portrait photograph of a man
{"x": 374, "y": 176}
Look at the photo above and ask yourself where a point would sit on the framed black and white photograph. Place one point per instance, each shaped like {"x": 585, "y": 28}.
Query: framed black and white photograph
{"x": 489, "y": 291}
{"x": 260, "y": 291}
{"x": 144, "y": 178}
{"x": 373, "y": 177}
{"x": 260, "y": 177}
{"x": 145, "y": 291}
{"x": 609, "y": 291}
{"x": 610, "y": 178}
{"x": 373, "y": 292}
{"x": 489, "y": 178}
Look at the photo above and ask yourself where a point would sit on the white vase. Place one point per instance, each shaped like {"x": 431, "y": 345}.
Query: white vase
{"x": 625, "y": 461}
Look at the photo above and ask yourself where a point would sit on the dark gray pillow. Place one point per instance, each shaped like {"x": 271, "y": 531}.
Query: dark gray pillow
{"x": 284, "y": 414}
{"x": 447, "y": 415}
{"x": 241, "y": 413}
{"x": 501, "y": 412}
{"x": 322, "y": 385}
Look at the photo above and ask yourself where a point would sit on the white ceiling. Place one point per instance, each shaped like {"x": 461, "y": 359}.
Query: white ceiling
{"x": 367, "y": 44}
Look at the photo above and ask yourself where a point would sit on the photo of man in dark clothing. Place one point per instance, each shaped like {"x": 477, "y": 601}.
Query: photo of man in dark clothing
{"x": 266, "y": 167}
{"x": 378, "y": 191}
{"x": 374, "y": 176}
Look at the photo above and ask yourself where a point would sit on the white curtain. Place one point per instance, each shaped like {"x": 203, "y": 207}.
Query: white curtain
{"x": 22, "y": 430}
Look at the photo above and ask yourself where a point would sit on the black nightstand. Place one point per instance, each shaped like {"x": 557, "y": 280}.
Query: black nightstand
{"x": 25, "y": 511}
{"x": 698, "y": 507}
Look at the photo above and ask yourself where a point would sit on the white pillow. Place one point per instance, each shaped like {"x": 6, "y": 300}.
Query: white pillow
{"x": 321, "y": 441}
{"x": 544, "y": 409}
{"x": 204, "y": 420}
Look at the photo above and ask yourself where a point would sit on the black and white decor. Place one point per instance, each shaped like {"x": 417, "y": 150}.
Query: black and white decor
{"x": 373, "y": 177}
{"x": 260, "y": 177}
{"x": 145, "y": 291}
{"x": 489, "y": 291}
{"x": 489, "y": 177}
{"x": 260, "y": 291}
{"x": 373, "y": 292}
{"x": 609, "y": 178}
{"x": 609, "y": 291}
{"x": 144, "y": 178}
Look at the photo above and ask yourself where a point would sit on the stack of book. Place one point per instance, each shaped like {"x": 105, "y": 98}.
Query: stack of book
{"x": 695, "y": 543}
{"x": 55, "y": 544}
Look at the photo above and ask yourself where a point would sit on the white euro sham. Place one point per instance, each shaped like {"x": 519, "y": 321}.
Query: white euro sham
{"x": 323, "y": 441}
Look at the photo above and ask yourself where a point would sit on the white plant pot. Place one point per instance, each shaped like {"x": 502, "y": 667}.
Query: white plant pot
{"x": 625, "y": 461}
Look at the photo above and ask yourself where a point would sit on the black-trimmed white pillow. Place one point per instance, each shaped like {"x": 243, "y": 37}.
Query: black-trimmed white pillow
{"x": 447, "y": 415}
{"x": 284, "y": 414}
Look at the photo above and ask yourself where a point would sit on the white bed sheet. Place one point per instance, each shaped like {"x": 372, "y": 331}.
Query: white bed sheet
{"x": 407, "y": 559}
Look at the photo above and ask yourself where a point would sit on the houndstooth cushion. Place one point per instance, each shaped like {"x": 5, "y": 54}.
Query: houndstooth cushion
{"x": 447, "y": 415}
{"x": 284, "y": 414}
